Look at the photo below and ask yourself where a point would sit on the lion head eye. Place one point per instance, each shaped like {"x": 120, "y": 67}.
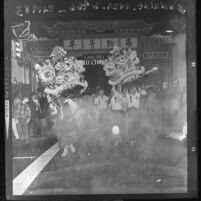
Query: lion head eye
{"x": 67, "y": 64}
{"x": 67, "y": 77}
{"x": 48, "y": 74}
{"x": 110, "y": 69}
{"x": 59, "y": 65}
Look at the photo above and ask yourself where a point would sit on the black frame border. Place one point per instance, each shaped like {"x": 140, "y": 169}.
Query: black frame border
{"x": 191, "y": 57}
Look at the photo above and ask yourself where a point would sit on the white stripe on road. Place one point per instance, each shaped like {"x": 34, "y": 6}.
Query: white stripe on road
{"x": 27, "y": 176}
{"x": 24, "y": 157}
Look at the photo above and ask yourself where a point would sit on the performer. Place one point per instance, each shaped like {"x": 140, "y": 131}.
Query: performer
{"x": 22, "y": 118}
{"x": 35, "y": 115}
{"x": 65, "y": 128}
{"x": 53, "y": 111}
{"x": 63, "y": 80}
{"x": 101, "y": 103}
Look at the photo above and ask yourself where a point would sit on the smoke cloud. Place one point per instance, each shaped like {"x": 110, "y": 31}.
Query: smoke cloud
{"x": 140, "y": 130}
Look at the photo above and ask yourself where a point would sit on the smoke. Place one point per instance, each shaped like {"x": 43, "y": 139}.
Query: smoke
{"x": 141, "y": 158}
{"x": 140, "y": 130}
{"x": 179, "y": 57}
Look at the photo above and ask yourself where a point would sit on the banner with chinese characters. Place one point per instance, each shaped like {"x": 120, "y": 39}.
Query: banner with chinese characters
{"x": 106, "y": 43}
{"x": 109, "y": 43}
{"x": 92, "y": 44}
{"x": 72, "y": 44}
{"x": 128, "y": 42}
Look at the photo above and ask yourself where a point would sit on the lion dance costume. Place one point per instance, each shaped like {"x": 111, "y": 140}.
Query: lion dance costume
{"x": 60, "y": 76}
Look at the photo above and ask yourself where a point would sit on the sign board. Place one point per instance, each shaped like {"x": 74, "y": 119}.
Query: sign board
{"x": 72, "y": 44}
{"x": 109, "y": 43}
{"x": 155, "y": 55}
{"x": 128, "y": 42}
{"x": 94, "y": 59}
{"x": 92, "y": 43}
{"x": 105, "y": 43}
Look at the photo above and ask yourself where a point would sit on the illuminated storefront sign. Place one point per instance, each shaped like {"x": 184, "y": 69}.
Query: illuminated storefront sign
{"x": 155, "y": 55}
{"x": 93, "y": 62}
{"x": 94, "y": 59}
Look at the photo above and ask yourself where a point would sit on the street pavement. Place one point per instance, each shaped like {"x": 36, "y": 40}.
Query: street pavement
{"x": 25, "y": 154}
{"x": 114, "y": 173}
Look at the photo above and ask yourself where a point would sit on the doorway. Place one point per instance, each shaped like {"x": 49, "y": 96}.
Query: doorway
{"x": 95, "y": 76}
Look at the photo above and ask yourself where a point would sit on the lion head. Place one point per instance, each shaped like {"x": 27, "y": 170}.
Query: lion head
{"x": 122, "y": 66}
{"x": 61, "y": 73}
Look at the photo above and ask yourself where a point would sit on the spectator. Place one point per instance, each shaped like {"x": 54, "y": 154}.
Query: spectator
{"x": 160, "y": 93}
{"x": 44, "y": 105}
{"x": 22, "y": 118}
{"x": 53, "y": 113}
{"x": 134, "y": 99}
{"x": 97, "y": 91}
{"x": 35, "y": 115}
{"x": 143, "y": 96}
{"x": 119, "y": 88}
{"x": 14, "y": 126}
{"x": 18, "y": 98}
{"x": 124, "y": 105}
{"x": 125, "y": 100}
{"x": 93, "y": 95}
{"x": 101, "y": 101}
{"x": 115, "y": 102}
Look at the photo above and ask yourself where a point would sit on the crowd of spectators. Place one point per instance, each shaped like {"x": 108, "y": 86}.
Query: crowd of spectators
{"x": 31, "y": 116}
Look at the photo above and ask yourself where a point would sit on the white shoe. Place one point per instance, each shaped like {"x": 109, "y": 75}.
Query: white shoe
{"x": 65, "y": 152}
{"x": 72, "y": 148}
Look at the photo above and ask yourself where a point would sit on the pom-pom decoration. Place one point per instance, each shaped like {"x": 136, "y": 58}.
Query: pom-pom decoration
{"x": 122, "y": 65}
{"x": 60, "y": 73}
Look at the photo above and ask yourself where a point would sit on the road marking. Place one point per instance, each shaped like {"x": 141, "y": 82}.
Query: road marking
{"x": 27, "y": 176}
{"x": 24, "y": 157}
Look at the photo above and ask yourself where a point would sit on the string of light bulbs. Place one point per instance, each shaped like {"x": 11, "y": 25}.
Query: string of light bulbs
{"x": 85, "y": 5}
{"x": 25, "y": 34}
